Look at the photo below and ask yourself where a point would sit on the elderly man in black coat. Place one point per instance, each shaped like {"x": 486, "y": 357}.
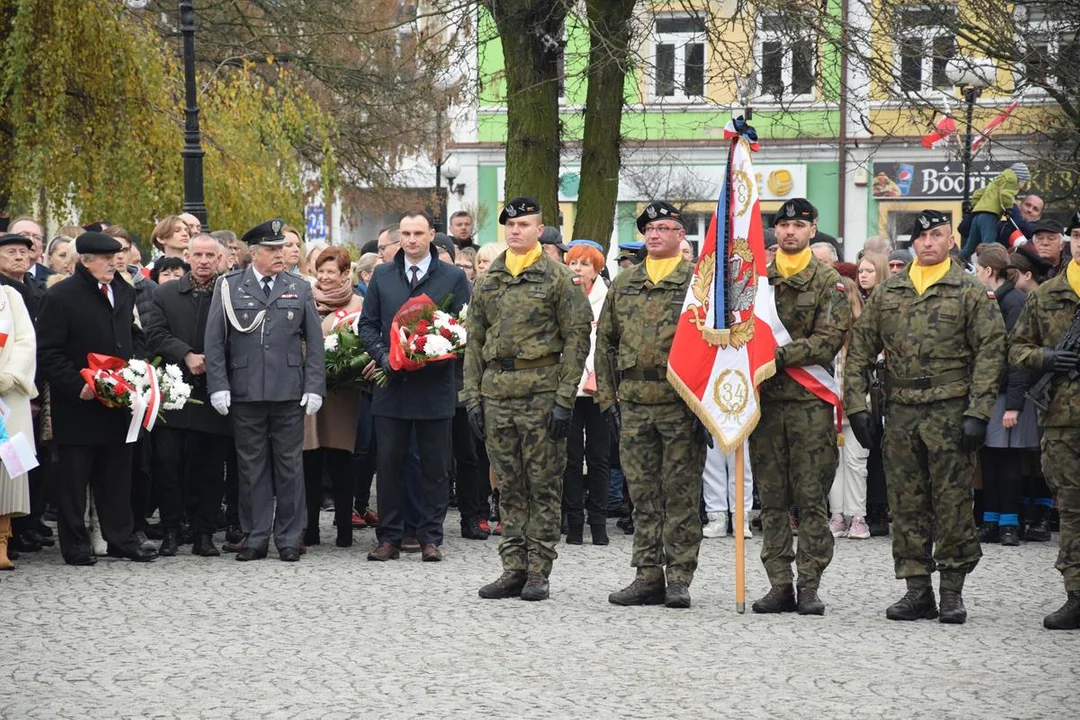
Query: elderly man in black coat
{"x": 422, "y": 401}
{"x": 191, "y": 448}
{"x": 93, "y": 311}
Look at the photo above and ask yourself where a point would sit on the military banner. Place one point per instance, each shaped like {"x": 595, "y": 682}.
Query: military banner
{"x": 723, "y": 348}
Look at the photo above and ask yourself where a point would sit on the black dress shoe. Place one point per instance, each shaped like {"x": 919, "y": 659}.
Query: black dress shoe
{"x": 250, "y": 553}
{"x": 22, "y": 543}
{"x": 135, "y": 554}
{"x": 233, "y": 534}
{"x": 43, "y": 540}
{"x": 84, "y": 560}
{"x": 289, "y": 555}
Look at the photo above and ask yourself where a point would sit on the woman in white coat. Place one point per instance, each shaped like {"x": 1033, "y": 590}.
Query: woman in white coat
{"x": 18, "y": 363}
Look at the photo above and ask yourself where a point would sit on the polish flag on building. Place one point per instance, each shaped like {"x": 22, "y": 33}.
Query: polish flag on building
{"x": 944, "y": 128}
{"x": 976, "y": 142}
{"x": 723, "y": 348}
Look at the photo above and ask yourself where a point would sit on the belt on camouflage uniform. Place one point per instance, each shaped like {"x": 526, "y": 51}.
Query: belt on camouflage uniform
{"x": 653, "y": 373}
{"x": 507, "y": 364}
{"x": 925, "y": 382}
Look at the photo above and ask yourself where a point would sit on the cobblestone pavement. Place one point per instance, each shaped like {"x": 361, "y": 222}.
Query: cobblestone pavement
{"x": 335, "y": 636}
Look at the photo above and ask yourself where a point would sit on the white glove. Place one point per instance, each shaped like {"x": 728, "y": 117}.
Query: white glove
{"x": 312, "y": 402}
{"x": 221, "y": 400}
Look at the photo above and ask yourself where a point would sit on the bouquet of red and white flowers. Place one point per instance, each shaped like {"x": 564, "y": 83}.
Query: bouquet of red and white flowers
{"x": 144, "y": 387}
{"x": 422, "y": 333}
{"x": 345, "y": 356}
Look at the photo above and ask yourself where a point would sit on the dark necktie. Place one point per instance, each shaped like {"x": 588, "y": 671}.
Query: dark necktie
{"x": 266, "y": 285}
{"x": 415, "y": 270}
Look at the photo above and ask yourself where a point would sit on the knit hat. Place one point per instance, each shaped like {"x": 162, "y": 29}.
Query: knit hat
{"x": 903, "y": 255}
{"x": 1022, "y": 172}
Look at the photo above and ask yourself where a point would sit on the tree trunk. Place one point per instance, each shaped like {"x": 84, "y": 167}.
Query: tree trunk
{"x": 609, "y": 58}
{"x": 530, "y": 31}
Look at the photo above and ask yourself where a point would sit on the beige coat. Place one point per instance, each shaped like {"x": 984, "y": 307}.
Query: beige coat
{"x": 18, "y": 363}
{"x": 334, "y": 426}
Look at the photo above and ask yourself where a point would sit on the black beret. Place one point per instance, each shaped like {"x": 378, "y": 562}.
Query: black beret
{"x": 95, "y": 243}
{"x": 551, "y": 236}
{"x": 796, "y": 209}
{"x": 1074, "y": 222}
{"x": 928, "y": 220}
{"x": 445, "y": 242}
{"x": 1049, "y": 225}
{"x": 268, "y": 233}
{"x": 657, "y": 210}
{"x": 11, "y": 238}
{"x": 517, "y": 207}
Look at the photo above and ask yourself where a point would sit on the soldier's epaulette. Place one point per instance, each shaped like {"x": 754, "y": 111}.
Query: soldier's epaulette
{"x": 233, "y": 273}
{"x": 295, "y": 275}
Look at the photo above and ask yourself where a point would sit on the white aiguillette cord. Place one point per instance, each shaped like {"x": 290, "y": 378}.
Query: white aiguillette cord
{"x": 230, "y": 313}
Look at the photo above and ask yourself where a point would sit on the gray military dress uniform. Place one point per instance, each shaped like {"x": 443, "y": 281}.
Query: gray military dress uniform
{"x": 267, "y": 351}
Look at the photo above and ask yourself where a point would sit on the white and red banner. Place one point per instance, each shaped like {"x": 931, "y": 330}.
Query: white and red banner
{"x": 724, "y": 346}
{"x": 944, "y": 128}
{"x": 997, "y": 120}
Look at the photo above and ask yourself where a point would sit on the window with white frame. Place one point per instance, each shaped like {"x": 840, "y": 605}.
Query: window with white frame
{"x": 786, "y": 51}
{"x": 1049, "y": 46}
{"x": 679, "y": 58}
{"x": 924, "y": 44}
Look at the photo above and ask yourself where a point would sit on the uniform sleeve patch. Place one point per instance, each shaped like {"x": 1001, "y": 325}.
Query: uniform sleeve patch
{"x": 990, "y": 294}
{"x": 840, "y": 287}
{"x": 576, "y": 280}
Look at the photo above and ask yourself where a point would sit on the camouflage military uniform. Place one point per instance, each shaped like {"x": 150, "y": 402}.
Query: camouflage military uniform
{"x": 793, "y": 448}
{"x": 1045, "y": 317}
{"x": 662, "y": 457}
{"x": 528, "y": 340}
{"x": 945, "y": 353}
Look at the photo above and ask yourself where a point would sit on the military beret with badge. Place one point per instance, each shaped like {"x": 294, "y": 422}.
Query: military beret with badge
{"x": 519, "y": 207}
{"x": 796, "y": 209}
{"x": 95, "y": 243}
{"x": 928, "y": 220}
{"x": 268, "y": 233}
{"x": 15, "y": 238}
{"x": 657, "y": 210}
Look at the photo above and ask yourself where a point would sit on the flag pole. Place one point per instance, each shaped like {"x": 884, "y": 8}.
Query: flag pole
{"x": 739, "y": 520}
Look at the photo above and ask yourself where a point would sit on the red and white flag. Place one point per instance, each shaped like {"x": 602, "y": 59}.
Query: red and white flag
{"x": 944, "y": 129}
{"x": 977, "y": 141}
{"x": 724, "y": 347}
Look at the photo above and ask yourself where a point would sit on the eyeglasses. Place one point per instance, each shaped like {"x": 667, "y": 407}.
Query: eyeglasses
{"x": 388, "y": 245}
{"x": 662, "y": 228}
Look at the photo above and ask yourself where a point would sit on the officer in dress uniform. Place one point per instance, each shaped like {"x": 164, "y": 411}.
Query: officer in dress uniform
{"x": 265, "y": 366}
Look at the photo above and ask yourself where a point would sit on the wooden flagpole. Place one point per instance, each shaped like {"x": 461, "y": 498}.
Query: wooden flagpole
{"x": 739, "y": 521}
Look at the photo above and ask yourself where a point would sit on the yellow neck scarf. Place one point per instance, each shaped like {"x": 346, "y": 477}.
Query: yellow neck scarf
{"x": 516, "y": 263}
{"x": 788, "y": 265}
{"x": 923, "y": 276}
{"x": 659, "y": 268}
{"x": 1072, "y": 274}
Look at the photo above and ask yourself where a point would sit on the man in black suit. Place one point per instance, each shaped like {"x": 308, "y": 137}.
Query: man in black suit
{"x": 195, "y": 442}
{"x": 37, "y": 274}
{"x": 421, "y": 401}
{"x": 93, "y": 311}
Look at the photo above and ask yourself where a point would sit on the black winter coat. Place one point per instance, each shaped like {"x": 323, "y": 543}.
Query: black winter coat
{"x": 1014, "y": 383}
{"x": 178, "y": 326}
{"x": 76, "y": 319}
{"x": 430, "y": 393}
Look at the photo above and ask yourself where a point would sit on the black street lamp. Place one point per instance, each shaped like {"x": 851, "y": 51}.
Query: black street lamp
{"x": 970, "y": 76}
{"x": 192, "y": 152}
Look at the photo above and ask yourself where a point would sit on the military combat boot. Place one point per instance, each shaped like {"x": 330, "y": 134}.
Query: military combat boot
{"x": 1067, "y": 617}
{"x": 809, "y": 603}
{"x": 677, "y": 595}
{"x": 1038, "y": 528}
{"x": 640, "y": 592}
{"x": 917, "y": 604}
{"x": 536, "y": 587}
{"x": 953, "y": 611}
{"x": 508, "y": 585}
{"x": 170, "y": 542}
{"x": 779, "y": 599}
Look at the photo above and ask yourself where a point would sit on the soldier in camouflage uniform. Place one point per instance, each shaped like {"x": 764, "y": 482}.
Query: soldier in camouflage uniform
{"x": 943, "y": 338}
{"x": 662, "y": 445}
{"x": 529, "y": 327}
{"x": 793, "y": 448}
{"x": 1044, "y": 319}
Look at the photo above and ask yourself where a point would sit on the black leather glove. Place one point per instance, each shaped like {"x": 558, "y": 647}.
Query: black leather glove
{"x": 698, "y": 427}
{"x": 862, "y": 425}
{"x": 972, "y": 434}
{"x": 558, "y": 423}
{"x": 476, "y": 421}
{"x": 1061, "y": 361}
{"x": 613, "y": 416}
